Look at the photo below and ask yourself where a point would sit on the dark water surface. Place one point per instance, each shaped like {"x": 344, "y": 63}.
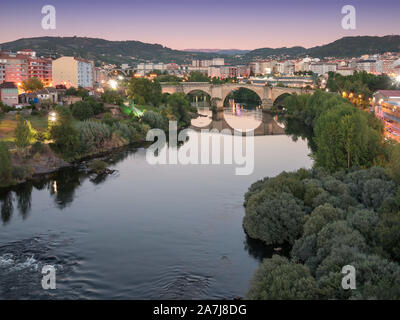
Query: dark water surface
{"x": 145, "y": 232}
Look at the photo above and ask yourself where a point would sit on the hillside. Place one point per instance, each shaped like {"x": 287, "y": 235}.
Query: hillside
{"x": 102, "y": 50}
{"x": 344, "y": 47}
{"x": 131, "y": 52}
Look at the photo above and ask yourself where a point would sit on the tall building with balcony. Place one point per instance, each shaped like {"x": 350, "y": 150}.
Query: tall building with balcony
{"x": 16, "y": 67}
{"x": 24, "y": 65}
{"x": 73, "y": 72}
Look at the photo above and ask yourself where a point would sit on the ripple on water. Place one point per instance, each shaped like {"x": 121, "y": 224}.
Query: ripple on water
{"x": 21, "y": 263}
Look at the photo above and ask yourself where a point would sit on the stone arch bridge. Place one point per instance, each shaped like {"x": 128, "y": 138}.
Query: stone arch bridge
{"x": 218, "y": 93}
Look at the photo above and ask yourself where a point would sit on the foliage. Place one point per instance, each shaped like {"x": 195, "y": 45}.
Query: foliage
{"x": 178, "y": 108}
{"x": 80, "y": 92}
{"x": 144, "y": 91}
{"x": 93, "y": 135}
{"x": 155, "y": 120}
{"x": 81, "y": 110}
{"x": 64, "y": 135}
{"x": 348, "y": 218}
{"x": 32, "y": 84}
{"x": 279, "y": 278}
{"x": 112, "y": 97}
{"x": 197, "y": 76}
{"x": 24, "y": 134}
{"x": 98, "y": 166}
{"x": 359, "y": 83}
{"x": 86, "y": 109}
{"x": 344, "y": 139}
{"x": 5, "y": 163}
{"x": 274, "y": 218}
{"x": 341, "y": 136}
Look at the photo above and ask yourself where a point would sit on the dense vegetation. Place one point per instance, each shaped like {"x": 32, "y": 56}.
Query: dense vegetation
{"x": 331, "y": 220}
{"x": 344, "y": 47}
{"x": 344, "y": 211}
{"x": 359, "y": 87}
{"x": 101, "y": 50}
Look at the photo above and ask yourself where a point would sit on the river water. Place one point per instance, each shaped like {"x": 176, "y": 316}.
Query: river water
{"x": 144, "y": 232}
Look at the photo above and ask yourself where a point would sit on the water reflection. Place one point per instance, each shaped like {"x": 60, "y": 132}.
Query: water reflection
{"x": 62, "y": 186}
{"x": 241, "y": 117}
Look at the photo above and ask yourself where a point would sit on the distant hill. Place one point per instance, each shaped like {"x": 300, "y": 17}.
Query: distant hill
{"x": 357, "y": 46}
{"x": 270, "y": 52}
{"x": 229, "y": 52}
{"x": 130, "y": 52}
{"x": 102, "y": 50}
{"x": 344, "y": 47}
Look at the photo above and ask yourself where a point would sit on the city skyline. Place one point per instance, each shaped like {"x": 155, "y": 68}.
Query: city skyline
{"x": 202, "y": 24}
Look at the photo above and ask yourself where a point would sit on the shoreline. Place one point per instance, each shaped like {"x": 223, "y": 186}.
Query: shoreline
{"x": 42, "y": 171}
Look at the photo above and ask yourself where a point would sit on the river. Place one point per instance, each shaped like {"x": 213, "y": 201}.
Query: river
{"x": 144, "y": 232}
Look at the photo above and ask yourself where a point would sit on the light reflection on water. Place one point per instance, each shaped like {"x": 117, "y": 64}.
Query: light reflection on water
{"x": 236, "y": 116}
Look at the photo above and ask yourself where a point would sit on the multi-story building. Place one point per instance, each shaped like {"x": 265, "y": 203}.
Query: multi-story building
{"x": 2, "y": 72}
{"x": 73, "y": 72}
{"x": 16, "y": 67}
{"x": 218, "y": 61}
{"x": 24, "y": 65}
{"x": 323, "y": 68}
{"x": 345, "y": 71}
{"x": 367, "y": 66}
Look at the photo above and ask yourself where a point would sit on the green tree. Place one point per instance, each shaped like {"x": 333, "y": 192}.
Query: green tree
{"x": 82, "y": 110}
{"x": 345, "y": 139}
{"x": 394, "y": 163}
{"x": 32, "y": 84}
{"x": 64, "y": 135}
{"x": 155, "y": 120}
{"x": 24, "y": 134}
{"x": 178, "y": 106}
{"x": 5, "y": 163}
{"x": 274, "y": 217}
{"x": 145, "y": 91}
{"x": 278, "y": 278}
{"x": 113, "y": 97}
{"x": 197, "y": 76}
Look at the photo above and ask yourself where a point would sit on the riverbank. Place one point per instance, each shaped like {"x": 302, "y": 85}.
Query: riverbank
{"x": 34, "y": 164}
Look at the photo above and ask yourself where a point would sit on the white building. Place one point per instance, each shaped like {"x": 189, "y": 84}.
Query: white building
{"x": 323, "y": 68}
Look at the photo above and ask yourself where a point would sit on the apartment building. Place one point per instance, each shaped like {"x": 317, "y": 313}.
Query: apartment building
{"x": 73, "y": 72}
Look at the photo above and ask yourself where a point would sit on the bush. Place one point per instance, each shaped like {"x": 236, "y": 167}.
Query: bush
{"x": 93, "y": 135}
{"x": 124, "y": 131}
{"x": 98, "y": 166}
{"x": 278, "y": 278}
{"x": 155, "y": 120}
{"x": 81, "y": 110}
{"x": 65, "y": 137}
{"x": 274, "y": 218}
{"x": 112, "y": 97}
{"x": 5, "y": 163}
{"x": 24, "y": 134}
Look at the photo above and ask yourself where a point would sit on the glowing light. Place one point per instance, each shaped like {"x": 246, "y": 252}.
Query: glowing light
{"x": 52, "y": 117}
{"x": 120, "y": 77}
{"x": 113, "y": 84}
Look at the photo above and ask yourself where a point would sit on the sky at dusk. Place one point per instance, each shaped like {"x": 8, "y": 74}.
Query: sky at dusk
{"x": 182, "y": 24}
